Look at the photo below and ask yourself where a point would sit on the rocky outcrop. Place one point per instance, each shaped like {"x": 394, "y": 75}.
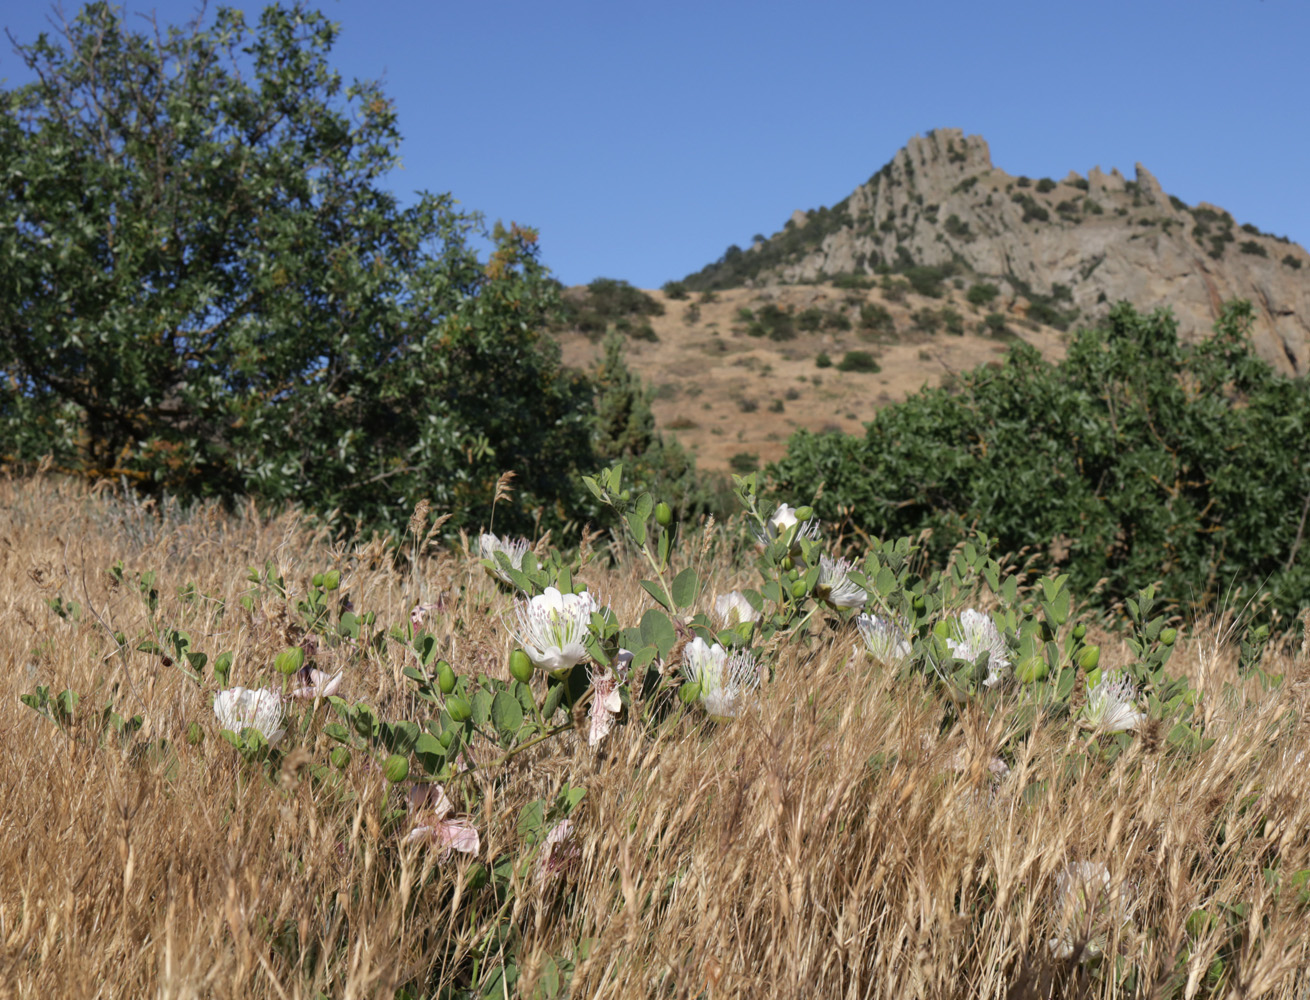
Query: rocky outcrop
{"x": 1070, "y": 247}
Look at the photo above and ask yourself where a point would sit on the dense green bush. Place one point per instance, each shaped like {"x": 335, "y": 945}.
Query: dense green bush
{"x": 982, "y": 294}
{"x": 858, "y": 361}
{"x": 876, "y": 318}
{"x": 206, "y": 292}
{"x": 1148, "y": 459}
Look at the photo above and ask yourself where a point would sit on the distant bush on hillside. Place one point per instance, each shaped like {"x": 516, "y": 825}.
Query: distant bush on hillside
{"x": 1147, "y": 459}
{"x": 858, "y": 361}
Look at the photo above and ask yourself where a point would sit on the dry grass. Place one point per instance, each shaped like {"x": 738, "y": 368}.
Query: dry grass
{"x": 831, "y": 843}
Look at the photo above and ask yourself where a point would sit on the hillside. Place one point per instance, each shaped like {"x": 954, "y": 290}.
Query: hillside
{"x": 736, "y": 372}
{"x": 1058, "y": 251}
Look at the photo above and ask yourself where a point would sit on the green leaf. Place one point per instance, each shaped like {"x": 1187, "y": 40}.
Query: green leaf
{"x": 506, "y": 714}
{"x": 654, "y": 590}
{"x": 637, "y": 525}
{"x": 658, "y": 631}
{"x": 686, "y": 586}
{"x": 481, "y": 702}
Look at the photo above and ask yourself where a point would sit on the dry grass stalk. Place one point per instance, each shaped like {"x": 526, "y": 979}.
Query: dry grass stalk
{"x": 824, "y": 845}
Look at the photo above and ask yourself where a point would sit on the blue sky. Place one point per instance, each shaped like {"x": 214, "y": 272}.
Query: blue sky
{"x": 643, "y": 139}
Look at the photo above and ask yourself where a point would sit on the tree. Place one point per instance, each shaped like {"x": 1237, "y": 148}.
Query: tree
{"x": 204, "y": 288}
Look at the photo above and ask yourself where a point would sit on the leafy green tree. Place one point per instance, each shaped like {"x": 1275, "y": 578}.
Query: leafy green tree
{"x": 1143, "y": 458}
{"x": 204, "y": 288}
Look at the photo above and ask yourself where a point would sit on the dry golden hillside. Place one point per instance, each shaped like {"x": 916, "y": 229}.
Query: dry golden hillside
{"x": 723, "y": 392}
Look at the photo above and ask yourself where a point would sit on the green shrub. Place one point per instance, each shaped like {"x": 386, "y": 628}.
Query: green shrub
{"x": 773, "y": 322}
{"x": 994, "y": 325}
{"x": 1045, "y": 185}
{"x": 895, "y": 289}
{"x": 927, "y": 320}
{"x": 926, "y": 280}
{"x": 810, "y": 320}
{"x": 982, "y": 294}
{"x": 954, "y": 227}
{"x": 1254, "y": 248}
{"x": 1091, "y": 207}
{"x": 675, "y": 289}
{"x": 744, "y": 462}
{"x": 836, "y": 320}
{"x": 952, "y": 321}
{"x": 1186, "y": 464}
{"x": 1292, "y": 262}
{"x": 858, "y": 361}
{"x": 821, "y": 360}
{"x": 876, "y": 317}
{"x": 853, "y": 282}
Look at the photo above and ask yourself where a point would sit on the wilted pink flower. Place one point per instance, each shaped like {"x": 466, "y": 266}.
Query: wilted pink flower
{"x": 419, "y": 612}
{"x": 559, "y": 851}
{"x": 605, "y": 704}
{"x": 315, "y": 683}
{"x": 431, "y": 810}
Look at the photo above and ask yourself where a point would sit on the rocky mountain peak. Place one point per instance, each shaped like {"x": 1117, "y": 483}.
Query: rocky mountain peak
{"x": 1061, "y": 250}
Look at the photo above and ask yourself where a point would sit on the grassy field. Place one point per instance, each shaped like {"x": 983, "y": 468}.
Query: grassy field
{"x": 836, "y": 840}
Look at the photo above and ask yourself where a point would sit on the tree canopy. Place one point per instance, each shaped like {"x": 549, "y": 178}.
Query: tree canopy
{"x": 205, "y": 288}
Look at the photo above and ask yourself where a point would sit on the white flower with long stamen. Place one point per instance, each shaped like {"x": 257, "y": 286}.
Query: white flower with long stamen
{"x": 724, "y": 680}
{"x": 430, "y": 809}
{"x": 605, "y": 704}
{"x": 1084, "y": 899}
{"x": 553, "y": 628}
{"x": 835, "y": 585}
{"x": 733, "y": 608}
{"x": 489, "y": 545}
{"x": 1111, "y": 705}
{"x": 241, "y": 708}
{"x": 974, "y": 634}
{"x": 781, "y": 521}
{"x": 315, "y": 683}
{"x": 885, "y": 639}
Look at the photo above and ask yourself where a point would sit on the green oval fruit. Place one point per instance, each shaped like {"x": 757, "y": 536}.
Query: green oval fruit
{"x": 445, "y": 677}
{"x": 1089, "y": 657}
{"x": 804, "y": 513}
{"x": 1079, "y": 631}
{"x": 317, "y": 580}
{"x": 396, "y": 768}
{"x": 520, "y": 666}
{"x": 1032, "y": 670}
{"x": 340, "y": 758}
{"x": 919, "y": 605}
{"x": 1168, "y": 637}
{"x": 786, "y": 562}
{"x": 446, "y": 739}
{"x": 663, "y": 514}
{"x": 798, "y": 589}
{"x": 459, "y": 709}
{"x": 289, "y": 660}
{"x": 793, "y": 574}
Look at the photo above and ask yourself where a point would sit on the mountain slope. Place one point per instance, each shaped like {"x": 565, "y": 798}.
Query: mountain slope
{"x": 1059, "y": 252}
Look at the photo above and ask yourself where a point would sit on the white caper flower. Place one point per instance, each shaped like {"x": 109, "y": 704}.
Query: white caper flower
{"x": 1083, "y": 899}
{"x": 835, "y": 585}
{"x": 489, "y": 545}
{"x": 723, "y": 680}
{"x": 553, "y": 628}
{"x": 886, "y": 640}
{"x": 781, "y": 521}
{"x": 241, "y": 708}
{"x": 1111, "y": 705}
{"x": 733, "y": 608}
{"x": 975, "y": 633}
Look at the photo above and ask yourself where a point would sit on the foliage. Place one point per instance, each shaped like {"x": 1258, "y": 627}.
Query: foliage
{"x": 206, "y": 291}
{"x": 770, "y": 321}
{"x": 674, "y": 289}
{"x": 858, "y": 361}
{"x": 982, "y": 294}
{"x": 1156, "y": 461}
{"x": 606, "y": 302}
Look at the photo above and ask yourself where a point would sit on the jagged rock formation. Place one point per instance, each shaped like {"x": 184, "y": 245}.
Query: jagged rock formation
{"x": 1061, "y": 249}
